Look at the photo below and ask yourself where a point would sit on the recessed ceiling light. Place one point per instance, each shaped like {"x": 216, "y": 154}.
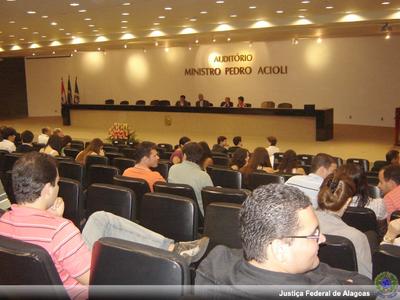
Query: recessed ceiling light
{"x": 12, "y": 22}
{"x": 168, "y": 8}
{"x": 35, "y": 32}
{"x": 91, "y": 25}
{"x": 385, "y": 2}
{"x": 61, "y": 29}
{"x": 329, "y": 7}
{"x": 22, "y": 39}
{"x": 219, "y": 2}
{"x": 98, "y": 49}
{"x": 204, "y": 12}
{"x": 88, "y": 19}
{"x": 161, "y": 17}
{"x": 24, "y": 28}
{"x": 125, "y": 14}
{"x": 45, "y": 17}
{"x": 214, "y": 40}
{"x": 156, "y": 24}
{"x": 252, "y": 7}
{"x": 33, "y": 54}
{"x": 124, "y": 27}
{"x": 196, "y": 41}
{"x": 301, "y": 17}
{"x": 67, "y": 33}
{"x": 233, "y": 16}
{"x": 74, "y": 4}
{"x": 125, "y": 46}
{"x": 303, "y": 9}
{"x": 126, "y": 4}
{"x": 54, "y": 52}
{"x": 31, "y": 12}
{"x": 95, "y": 30}
{"x": 228, "y": 39}
{"x": 44, "y": 36}
{"x": 11, "y": 36}
{"x": 156, "y": 44}
{"x": 53, "y": 23}
{"x": 305, "y": 1}
{"x": 82, "y": 10}
{"x": 11, "y": 0}
{"x": 124, "y": 21}
{"x": 193, "y": 20}
{"x": 279, "y": 11}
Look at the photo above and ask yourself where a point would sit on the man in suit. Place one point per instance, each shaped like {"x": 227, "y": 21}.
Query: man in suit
{"x": 227, "y": 102}
{"x": 202, "y": 102}
{"x": 27, "y": 139}
{"x": 182, "y": 101}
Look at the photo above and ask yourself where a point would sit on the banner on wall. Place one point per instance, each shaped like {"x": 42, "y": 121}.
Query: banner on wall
{"x": 69, "y": 95}
{"x": 76, "y": 92}
{"x": 63, "y": 95}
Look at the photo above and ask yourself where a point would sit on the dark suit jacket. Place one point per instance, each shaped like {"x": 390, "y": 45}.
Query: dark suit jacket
{"x": 223, "y": 104}
{"x": 206, "y": 103}
{"x": 178, "y": 103}
{"x": 24, "y": 148}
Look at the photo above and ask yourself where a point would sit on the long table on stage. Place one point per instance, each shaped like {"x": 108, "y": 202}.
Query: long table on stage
{"x": 195, "y": 121}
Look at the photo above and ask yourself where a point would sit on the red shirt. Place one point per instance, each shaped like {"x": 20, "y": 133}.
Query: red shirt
{"x": 59, "y": 236}
{"x": 392, "y": 201}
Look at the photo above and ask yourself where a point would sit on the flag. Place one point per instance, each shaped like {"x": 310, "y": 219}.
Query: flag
{"x": 63, "y": 96}
{"x": 69, "y": 95}
{"x": 76, "y": 93}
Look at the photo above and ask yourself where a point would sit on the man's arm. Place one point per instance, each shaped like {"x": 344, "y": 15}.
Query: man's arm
{"x": 84, "y": 279}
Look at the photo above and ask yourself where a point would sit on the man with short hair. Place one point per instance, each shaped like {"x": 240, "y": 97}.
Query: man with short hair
{"x": 202, "y": 102}
{"x": 393, "y": 157}
{"x": 322, "y": 165}
{"x": 220, "y": 146}
{"x": 9, "y": 135}
{"x": 37, "y": 219}
{"x": 44, "y": 136}
{"x": 237, "y": 142}
{"x": 59, "y": 132}
{"x": 27, "y": 139}
{"x": 189, "y": 171}
{"x": 146, "y": 158}
{"x": 280, "y": 239}
{"x": 389, "y": 183}
{"x": 182, "y": 101}
{"x": 227, "y": 102}
{"x": 241, "y": 103}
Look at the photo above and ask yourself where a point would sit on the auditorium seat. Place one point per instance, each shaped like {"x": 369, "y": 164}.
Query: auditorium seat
{"x": 220, "y": 161}
{"x": 10, "y": 159}
{"x": 362, "y": 218}
{"x": 113, "y": 155}
{"x": 213, "y": 154}
{"x": 112, "y": 149}
{"x": 71, "y": 192}
{"x": 63, "y": 158}
{"x": 164, "y": 103}
{"x": 373, "y": 180}
{"x": 305, "y": 159}
{"x": 77, "y": 144}
{"x": 71, "y": 152}
{"x": 338, "y": 252}
{"x": 217, "y": 194}
{"x": 339, "y": 161}
{"x": 6, "y": 180}
{"x": 115, "y": 199}
{"x": 225, "y": 177}
{"x": 25, "y": 264}
{"x": 167, "y": 147}
{"x": 285, "y": 105}
{"x": 173, "y": 216}
{"x": 247, "y": 105}
{"x": 262, "y": 178}
{"x": 268, "y": 104}
{"x": 386, "y": 259}
{"x": 165, "y": 155}
{"x": 109, "y": 101}
{"x": 101, "y": 174}
{"x": 140, "y": 102}
{"x": 278, "y": 156}
{"x": 123, "y": 163}
{"x": 95, "y": 159}
{"x": 129, "y": 152}
{"x": 36, "y": 146}
{"x": 125, "y": 263}
{"x": 162, "y": 168}
{"x": 124, "y": 102}
{"x": 363, "y": 163}
{"x": 378, "y": 165}
{"x": 374, "y": 191}
{"x": 221, "y": 225}
{"x": 155, "y": 102}
{"x": 72, "y": 170}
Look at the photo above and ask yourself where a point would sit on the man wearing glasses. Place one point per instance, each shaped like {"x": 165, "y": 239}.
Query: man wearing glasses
{"x": 280, "y": 240}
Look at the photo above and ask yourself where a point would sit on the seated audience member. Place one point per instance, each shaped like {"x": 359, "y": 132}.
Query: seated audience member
{"x": 206, "y": 160}
{"x": 239, "y": 159}
{"x": 202, "y": 102}
{"x": 240, "y": 103}
{"x": 220, "y": 146}
{"x": 177, "y": 155}
{"x": 322, "y": 165}
{"x": 393, "y": 157}
{"x": 389, "y": 183}
{"x": 146, "y": 158}
{"x": 227, "y": 102}
{"x": 182, "y": 101}
{"x": 258, "y": 161}
{"x": 59, "y": 132}
{"x": 189, "y": 171}
{"x": 272, "y": 148}
{"x": 66, "y": 143}
{"x": 4, "y": 202}
{"x": 392, "y": 234}
{"x": 27, "y": 139}
{"x": 95, "y": 147}
{"x": 361, "y": 198}
{"x": 44, "y": 136}
{"x": 290, "y": 164}
{"x": 7, "y": 143}
{"x": 237, "y": 142}
{"x": 280, "y": 239}
{"x": 37, "y": 218}
{"x": 53, "y": 146}
{"x": 336, "y": 193}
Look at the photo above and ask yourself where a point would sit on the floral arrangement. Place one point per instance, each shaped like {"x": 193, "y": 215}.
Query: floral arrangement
{"x": 121, "y": 131}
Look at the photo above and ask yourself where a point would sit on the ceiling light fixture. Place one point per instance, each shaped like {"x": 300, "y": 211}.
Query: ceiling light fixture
{"x": 53, "y": 24}
{"x": 295, "y": 41}
{"x": 219, "y": 2}
{"x": 161, "y": 17}
{"x": 74, "y": 4}
{"x": 125, "y": 46}
{"x": 329, "y": 7}
{"x": 45, "y": 17}
{"x": 279, "y": 11}
{"x": 252, "y": 7}
{"x": 204, "y": 12}
{"x": 126, "y": 4}
{"x": 82, "y": 10}
{"x": 228, "y": 39}
{"x": 31, "y": 12}
{"x": 319, "y": 40}
{"x": 168, "y": 8}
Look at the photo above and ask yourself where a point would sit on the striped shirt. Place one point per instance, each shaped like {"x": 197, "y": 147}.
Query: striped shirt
{"x": 59, "y": 236}
{"x": 392, "y": 201}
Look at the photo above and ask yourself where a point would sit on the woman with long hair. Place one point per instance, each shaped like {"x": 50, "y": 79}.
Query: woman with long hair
{"x": 206, "y": 160}
{"x": 95, "y": 147}
{"x": 239, "y": 159}
{"x": 53, "y": 146}
{"x": 335, "y": 195}
{"x": 259, "y": 161}
{"x": 290, "y": 164}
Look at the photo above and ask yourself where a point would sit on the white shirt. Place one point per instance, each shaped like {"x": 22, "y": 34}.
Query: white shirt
{"x": 377, "y": 205}
{"x": 308, "y": 184}
{"x": 43, "y": 138}
{"x": 7, "y": 145}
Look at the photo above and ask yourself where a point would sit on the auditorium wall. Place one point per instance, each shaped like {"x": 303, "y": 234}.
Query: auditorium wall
{"x": 358, "y": 77}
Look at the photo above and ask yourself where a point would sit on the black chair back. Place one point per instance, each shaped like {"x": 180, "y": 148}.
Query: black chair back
{"x": 338, "y": 252}
{"x": 220, "y": 154}
{"x": 129, "y": 152}
{"x": 374, "y": 192}
{"x": 72, "y": 170}
{"x": 137, "y": 185}
{"x": 262, "y": 178}
{"x": 79, "y": 143}
{"x": 339, "y": 161}
{"x": 113, "y": 155}
{"x": 124, "y": 102}
{"x": 226, "y": 178}
{"x": 305, "y": 159}
{"x": 395, "y": 215}
{"x": 173, "y": 216}
{"x": 221, "y": 225}
{"x": 111, "y": 198}
{"x": 123, "y": 163}
{"x": 140, "y": 102}
{"x": 362, "y": 218}
{"x": 155, "y": 102}
{"x": 378, "y": 165}
{"x": 112, "y": 149}
{"x": 109, "y": 101}
{"x": 37, "y": 146}
{"x": 10, "y": 159}
{"x": 363, "y": 163}
{"x": 285, "y": 105}
{"x": 164, "y": 103}
{"x": 28, "y": 264}
{"x": 136, "y": 264}
{"x": 101, "y": 174}
{"x": 166, "y": 147}
{"x": 162, "y": 168}
{"x": 373, "y": 180}
{"x": 6, "y": 180}
{"x": 95, "y": 160}
{"x": 71, "y": 152}
{"x": 218, "y": 194}
{"x": 71, "y": 192}
{"x": 220, "y": 161}
{"x": 386, "y": 259}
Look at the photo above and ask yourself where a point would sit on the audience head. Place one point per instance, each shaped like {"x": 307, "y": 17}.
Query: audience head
{"x": 27, "y": 137}
{"x": 222, "y": 140}
{"x": 55, "y": 142}
{"x": 9, "y": 133}
{"x": 59, "y": 132}
{"x": 392, "y": 157}
{"x": 35, "y": 176}
{"x": 201, "y": 97}
{"x": 272, "y": 140}
{"x": 227, "y": 100}
{"x": 46, "y": 130}
{"x": 237, "y": 141}
{"x": 279, "y": 230}
{"x": 182, "y": 98}
{"x": 241, "y": 99}
{"x": 259, "y": 157}
{"x": 323, "y": 164}
{"x": 183, "y": 140}
{"x": 289, "y": 162}
{"x": 357, "y": 175}
{"x": 96, "y": 145}
{"x": 146, "y": 154}
{"x": 66, "y": 141}
{"x": 193, "y": 152}
{"x": 206, "y": 160}
{"x": 336, "y": 193}
{"x": 389, "y": 178}
{"x": 240, "y": 158}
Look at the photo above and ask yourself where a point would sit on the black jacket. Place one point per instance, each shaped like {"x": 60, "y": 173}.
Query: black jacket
{"x": 24, "y": 148}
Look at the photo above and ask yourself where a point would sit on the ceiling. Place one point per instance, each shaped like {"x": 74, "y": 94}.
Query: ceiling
{"x": 58, "y": 27}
